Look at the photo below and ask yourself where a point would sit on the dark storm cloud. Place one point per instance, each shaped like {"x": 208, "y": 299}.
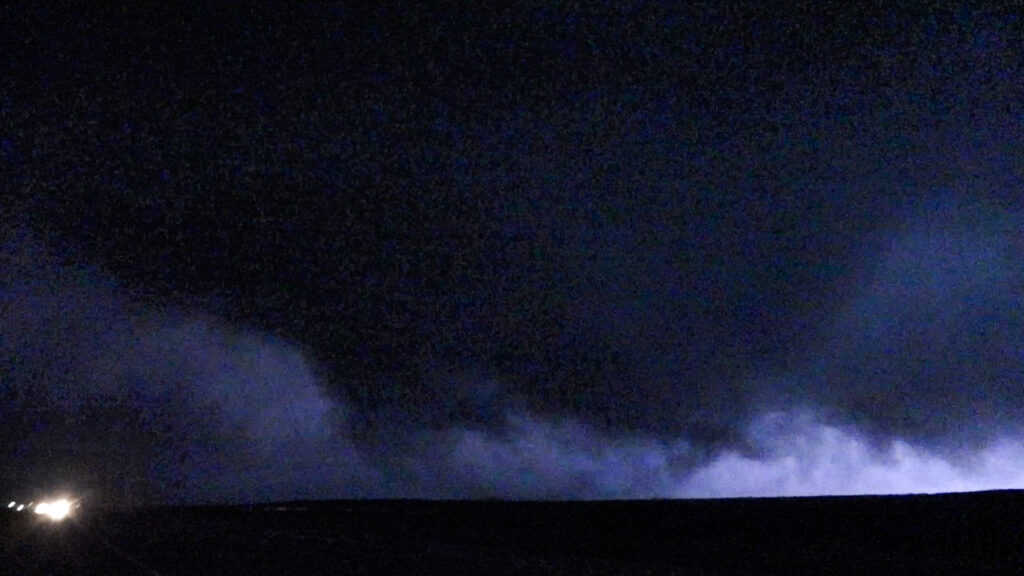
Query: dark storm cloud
{"x": 104, "y": 394}
{"x": 122, "y": 399}
{"x": 537, "y": 253}
{"x": 928, "y": 343}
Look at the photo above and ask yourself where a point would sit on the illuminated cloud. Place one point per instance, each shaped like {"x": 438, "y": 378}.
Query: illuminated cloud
{"x": 188, "y": 407}
{"x": 538, "y": 458}
{"x": 198, "y": 409}
{"x": 798, "y": 456}
{"x": 789, "y": 454}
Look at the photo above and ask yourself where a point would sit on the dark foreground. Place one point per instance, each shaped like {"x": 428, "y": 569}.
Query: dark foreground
{"x": 981, "y": 533}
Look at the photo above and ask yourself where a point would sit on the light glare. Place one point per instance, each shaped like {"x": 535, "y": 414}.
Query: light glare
{"x": 56, "y": 510}
{"x": 59, "y": 510}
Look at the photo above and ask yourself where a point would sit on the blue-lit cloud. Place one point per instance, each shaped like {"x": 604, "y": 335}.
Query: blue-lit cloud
{"x": 927, "y": 345}
{"x": 801, "y": 456}
{"x": 792, "y": 453}
{"x": 171, "y": 403}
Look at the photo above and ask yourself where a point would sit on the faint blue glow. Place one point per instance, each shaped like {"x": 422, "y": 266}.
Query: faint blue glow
{"x": 799, "y": 456}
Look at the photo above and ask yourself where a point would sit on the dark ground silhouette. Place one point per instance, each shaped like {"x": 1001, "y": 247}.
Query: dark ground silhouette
{"x": 977, "y": 533}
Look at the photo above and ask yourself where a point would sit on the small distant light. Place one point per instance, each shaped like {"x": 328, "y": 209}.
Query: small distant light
{"x": 12, "y": 504}
{"x": 20, "y": 507}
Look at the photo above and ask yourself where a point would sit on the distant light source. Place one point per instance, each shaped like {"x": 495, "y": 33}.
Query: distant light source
{"x": 12, "y": 504}
{"x": 56, "y": 510}
{"x": 20, "y": 507}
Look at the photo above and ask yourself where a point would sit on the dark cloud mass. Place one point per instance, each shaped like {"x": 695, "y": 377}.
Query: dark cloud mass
{"x": 552, "y": 252}
{"x": 103, "y": 391}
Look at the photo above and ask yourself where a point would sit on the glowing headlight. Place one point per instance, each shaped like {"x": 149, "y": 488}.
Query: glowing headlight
{"x": 56, "y": 510}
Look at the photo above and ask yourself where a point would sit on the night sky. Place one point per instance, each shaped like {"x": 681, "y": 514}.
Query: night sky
{"x": 562, "y": 250}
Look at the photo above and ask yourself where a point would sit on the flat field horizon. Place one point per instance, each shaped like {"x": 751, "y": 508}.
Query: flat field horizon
{"x": 958, "y": 533}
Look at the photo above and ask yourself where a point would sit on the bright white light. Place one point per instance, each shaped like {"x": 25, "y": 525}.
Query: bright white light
{"x": 56, "y": 510}
{"x": 59, "y": 510}
{"x": 20, "y": 507}
{"x": 12, "y": 504}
